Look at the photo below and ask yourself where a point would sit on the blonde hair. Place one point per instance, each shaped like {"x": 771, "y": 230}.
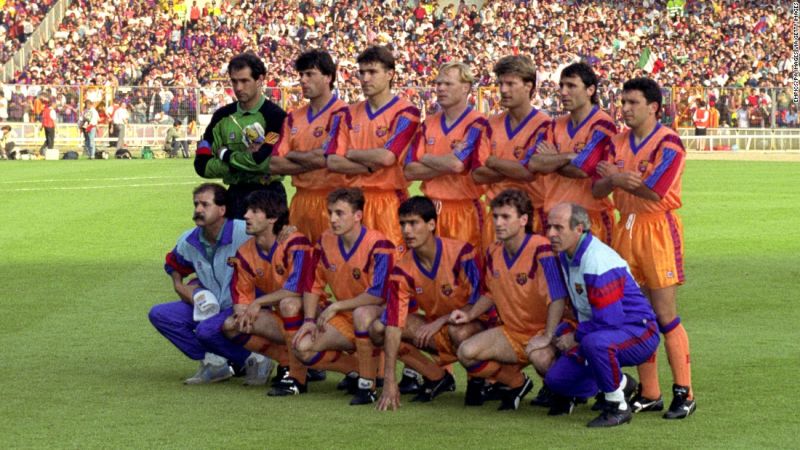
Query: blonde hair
{"x": 464, "y": 72}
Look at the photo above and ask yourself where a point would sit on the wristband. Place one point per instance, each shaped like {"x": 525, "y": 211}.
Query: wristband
{"x": 224, "y": 152}
{"x": 309, "y": 320}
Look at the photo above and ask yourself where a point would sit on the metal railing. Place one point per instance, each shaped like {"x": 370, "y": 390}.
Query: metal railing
{"x": 36, "y": 40}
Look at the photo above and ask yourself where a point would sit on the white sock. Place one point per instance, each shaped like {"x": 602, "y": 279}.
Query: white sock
{"x": 214, "y": 360}
{"x": 618, "y": 396}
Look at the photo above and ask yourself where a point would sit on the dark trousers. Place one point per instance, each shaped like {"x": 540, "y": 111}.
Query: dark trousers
{"x": 49, "y": 139}
{"x": 237, "y": 196}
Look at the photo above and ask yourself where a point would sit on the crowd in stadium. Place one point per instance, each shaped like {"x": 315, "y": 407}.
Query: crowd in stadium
{"x": 18, "y": 20}
{"x": 734, "y": 44}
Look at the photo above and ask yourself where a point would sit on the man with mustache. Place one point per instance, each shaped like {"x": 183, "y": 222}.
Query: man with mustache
{"x": 204, "y": 251}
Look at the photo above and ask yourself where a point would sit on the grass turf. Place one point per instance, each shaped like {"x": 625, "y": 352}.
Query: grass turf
{"x": 82, "y": 253}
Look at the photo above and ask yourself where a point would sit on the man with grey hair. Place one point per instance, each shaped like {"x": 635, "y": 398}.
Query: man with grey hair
{"x": 616, "y": 324}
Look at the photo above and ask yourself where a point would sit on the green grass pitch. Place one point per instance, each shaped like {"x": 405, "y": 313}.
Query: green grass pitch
{"x": 83, "y": 244}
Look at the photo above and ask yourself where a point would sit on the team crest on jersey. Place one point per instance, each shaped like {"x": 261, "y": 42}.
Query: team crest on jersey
{"x": 356, "y": 273}
{"x": 260, "y": 273}
{"x": 318, "y": 131}
{"x": 382, "y": 131}
{"x": 447, "y": 290}
{"x": 643, "y": 166}
{"x": 231, "y": 261}
{"x": 457, "y": 146}
{"x": 522, "y": 278}
{"x": 294, "y": 130}
{"x": 620, "y": 163}
{"x": 579, "y": 288}
{"x": 518, "y": 152}
{"x": 579, "y": 147}
{"x": 280, "y": 270}
{"x": 431, "y": 141}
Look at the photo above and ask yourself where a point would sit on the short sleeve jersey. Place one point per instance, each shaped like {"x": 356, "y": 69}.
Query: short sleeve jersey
{"x": 287, "y": 265}
{"x": 590, "y": 140}
{"x": 452, "y": 282}
{"x": 363, "y": 268}
{"x": 358, "y": 127}
{"x": 522, "y": 286}
{"x": 512, "y": 144}
{"x": 466, "y": 138}
{"x": 660, "y": 159}
{"x": 303, "y": 132}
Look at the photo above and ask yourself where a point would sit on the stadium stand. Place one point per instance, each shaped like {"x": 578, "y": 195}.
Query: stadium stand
{"x": 18, "y": 19}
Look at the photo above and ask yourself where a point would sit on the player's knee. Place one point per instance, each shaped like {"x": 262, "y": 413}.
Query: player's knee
{"x": 467, "y": 351}
{"x": 305, "y": 356}
{"x": 459, "y": 333}
{"x": 303, "y": 346}
{"x": 157, "y": 316}
{"x": 376, "y": 332}
{"x": 362, "y": 318}
{"x": 206, "y": 332}
{"x": 542, "y": 359}
{"x": 229, "y": 327}
{"x": 290, "y": 306}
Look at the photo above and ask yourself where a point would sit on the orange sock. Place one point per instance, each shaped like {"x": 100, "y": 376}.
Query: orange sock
{"x": 414, "y": 358}
{"x": 368, "y": 356}
{"x": 297, "y": 369}
{"x": 648, "y": 378}
{"x": 264, "y": 346}
{"x": 508, "y": 374}
{"x": 334, "y": 360}
{"x": 676, "y": 342}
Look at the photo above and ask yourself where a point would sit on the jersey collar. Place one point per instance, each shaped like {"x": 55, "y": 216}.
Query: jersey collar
{"x": 255, "y": 109}
{"x": 436, "y": 260}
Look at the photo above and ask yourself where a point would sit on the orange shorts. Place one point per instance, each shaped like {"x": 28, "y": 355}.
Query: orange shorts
{"x": 380, "y": 213}
{"x": 519, "y": 341}
{"x": 343, "y": 323}
{"x": 309, "y": 213}
{"x": 461, "y": 219}
{"x": 445, "y": 352}
{"x": 652, "y": 244}
{"x": 603, "y": 225}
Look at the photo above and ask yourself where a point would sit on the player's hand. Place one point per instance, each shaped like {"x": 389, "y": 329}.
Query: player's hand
{"x": 490, "y": 161}
{"x": 546, "y": 148}
{"x": 286, "y": 231}
{"x": 425, "y": 335}
{"x": 308, "y": 328}
{"x": 630, "y": 181}
{"x": 566, "y": 342}
{"x": 327, "y": 314}
{"x": 254, "y": 147}
{"x": 390, "y": 397}
{"x": 245, "y": 321}
{"x": 606, "y": 169}
{"x": 538, "y": 343}
{"x": 458, "y": 317}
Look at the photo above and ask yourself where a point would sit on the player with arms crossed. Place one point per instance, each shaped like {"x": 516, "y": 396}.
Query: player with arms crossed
{"x": 443, "y": 153}
{"x": 367, "y": 141}
{"x": 299, "y": 150}
{"x": 644, "y": 173}
{"x": 578, "y": 141}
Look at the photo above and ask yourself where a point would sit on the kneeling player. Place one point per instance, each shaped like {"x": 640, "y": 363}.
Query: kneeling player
{"x": 355, "y": 263}
{"x": 441, "y": 275}
{"x": 278, "y": 269}
{"x": 524, "y": 283}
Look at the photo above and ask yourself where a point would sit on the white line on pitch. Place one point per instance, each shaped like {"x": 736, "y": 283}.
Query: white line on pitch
{"x": 84, "y": 188}
{"x": 93, "y": 179}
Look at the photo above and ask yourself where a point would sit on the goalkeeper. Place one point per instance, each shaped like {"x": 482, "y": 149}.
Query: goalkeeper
{"x": 194, "y": 323}
{"x": 238, "y": 142}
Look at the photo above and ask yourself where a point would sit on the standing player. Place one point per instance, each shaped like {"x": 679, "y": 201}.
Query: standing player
{"x": 616, "y": 323}
{"x": 512, "y": 132}
{"x": 443, "y": 153}
{"x": 238, "y": 141}
{"x": 299, "y": 150}
{"x": 524, "y": 283}
{"x": 644, "y": 173}
{"x": 205, "y": 251}
{"x": 277, "y": 270}
{"x": 367, "y": 141}
{"x": 577, "y": 142}
{"x": 354, "y": 262}
{"x": 439, "y": 275}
